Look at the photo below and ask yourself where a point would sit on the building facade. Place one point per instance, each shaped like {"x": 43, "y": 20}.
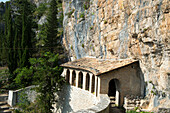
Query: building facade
{"x": 117, "y": 79}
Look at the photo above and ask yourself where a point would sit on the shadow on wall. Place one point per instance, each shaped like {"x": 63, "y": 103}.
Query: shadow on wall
{"x": 63, "y": 100}
{"x": 142, "y": 81}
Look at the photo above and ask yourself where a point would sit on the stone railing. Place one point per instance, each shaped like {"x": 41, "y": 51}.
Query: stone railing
{"x": 163, "y": 110}
{"x": 132, "y": 102}
{"x": 15, "y": 96}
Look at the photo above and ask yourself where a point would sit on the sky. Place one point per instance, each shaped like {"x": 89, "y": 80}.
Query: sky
{"x": 4, "y": 0}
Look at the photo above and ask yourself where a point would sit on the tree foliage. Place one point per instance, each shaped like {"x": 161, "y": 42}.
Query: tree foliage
{"x": 2, "y": 34}
{"x": 41, "y": 10}
{"x": 17, "y": 36}
{"x": 24, "y": 25}
{"x": 45, "y": 73}
{"x": 52, "y": 26}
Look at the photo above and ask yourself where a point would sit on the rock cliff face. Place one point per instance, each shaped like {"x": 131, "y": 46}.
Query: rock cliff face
{"x": 121, "y": 29}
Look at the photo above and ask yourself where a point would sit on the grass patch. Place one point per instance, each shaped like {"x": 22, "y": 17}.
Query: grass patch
{"x": 133, "y": 111}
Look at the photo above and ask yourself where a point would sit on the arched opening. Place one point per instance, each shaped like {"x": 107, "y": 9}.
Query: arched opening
{"x": 73, "y": 78}
{"x": 93, "y": 84}
{"x": 87, "y": 81}
{"x": 114, "y": 92}
{"x": 67, "y": 76}
{"x": 80, "y": 80}
{"x": 112, "y": 88}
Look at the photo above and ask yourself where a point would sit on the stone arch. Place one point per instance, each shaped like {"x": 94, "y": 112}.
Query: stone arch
{"x": 93, "y": 84}
{"x": 80, "y": 80}
{"x": 73, "y": 82}
{"x": 67, "y": 75}
{"x": 87, "y": 81}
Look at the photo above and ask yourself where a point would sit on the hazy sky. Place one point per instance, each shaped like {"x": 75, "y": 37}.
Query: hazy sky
{"x": 4, "y": 0}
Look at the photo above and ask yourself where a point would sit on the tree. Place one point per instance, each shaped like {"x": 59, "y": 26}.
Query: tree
{"x": 25, "y": 24}
{"x": 52, "y": 27}
{"x": 2, "y": 6}
{"x": 49, "y": 80}
{"x": 3, "y": 54}
{"x": 18, "y": 34}
{"x": 44, "y": 72}
{"x": 10, "y": 38}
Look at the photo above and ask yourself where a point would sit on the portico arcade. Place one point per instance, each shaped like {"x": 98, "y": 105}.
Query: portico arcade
{"x": 82, "y": 79}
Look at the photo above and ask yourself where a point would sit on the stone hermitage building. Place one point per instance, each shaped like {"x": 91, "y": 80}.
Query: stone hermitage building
{"x": 117, "y": 79}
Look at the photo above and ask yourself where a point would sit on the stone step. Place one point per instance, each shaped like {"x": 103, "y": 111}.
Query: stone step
{"x": 5, "y": 107}
{"x": 3, "y": 97}
{"x": 6, "y": 111}
{"x": 5, "y": 94}
{"x": 111, "y": 98}
{"x": 112, "y": 105}
{"x": 3, "y": 103}
{"x": 130, "y": 108}
{"x": 112, "y": 101}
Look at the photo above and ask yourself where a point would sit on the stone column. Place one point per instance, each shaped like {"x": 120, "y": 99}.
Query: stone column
{"x": 95, "y": 88}
{"x": 77, "y": 78}
{"x": 117, "y": 98}
{"x": 84, "y": 80}
{"x": 64, "y": 72}
{"x": 98, "y": 86}
{"x": 90, "y": 85}
{"x": 71, "y": 76}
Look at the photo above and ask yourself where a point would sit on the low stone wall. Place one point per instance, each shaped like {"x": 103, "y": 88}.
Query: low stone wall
{"x": 132, "y": 102}
{"x": 70, "y": 99}
{"x": 16, "y": 96}
{"x": 73, "y": 99}
{"x": 163, "y": 110}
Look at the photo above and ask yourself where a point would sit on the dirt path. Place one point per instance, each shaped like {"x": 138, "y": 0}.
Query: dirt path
{"x": 116, "y": 110}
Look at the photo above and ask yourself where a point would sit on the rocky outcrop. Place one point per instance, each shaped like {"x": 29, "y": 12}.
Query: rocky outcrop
{"x": 38, "y": 2}
{"x": 121, "y": 29}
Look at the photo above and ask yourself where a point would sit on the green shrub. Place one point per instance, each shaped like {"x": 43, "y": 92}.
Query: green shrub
{"x": 82, "y": 45}
{"x": 91, "y": 27}
{"x": 24, "y": 77}
{"x": 70, "y": 13}
{"x": 41, "y": 10}
{"x": 150, "y": 81}
{"x": 71, "y": 47}
{"x": 132, "y": 111}
{"x": 105, "y": 21}
{"x": 163, "y": 18}
{"x": 93, "y": 49}
{"x": 86, "y": 6}
{"x": 153, "y": 92}
{"x": 82, "y": 15}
